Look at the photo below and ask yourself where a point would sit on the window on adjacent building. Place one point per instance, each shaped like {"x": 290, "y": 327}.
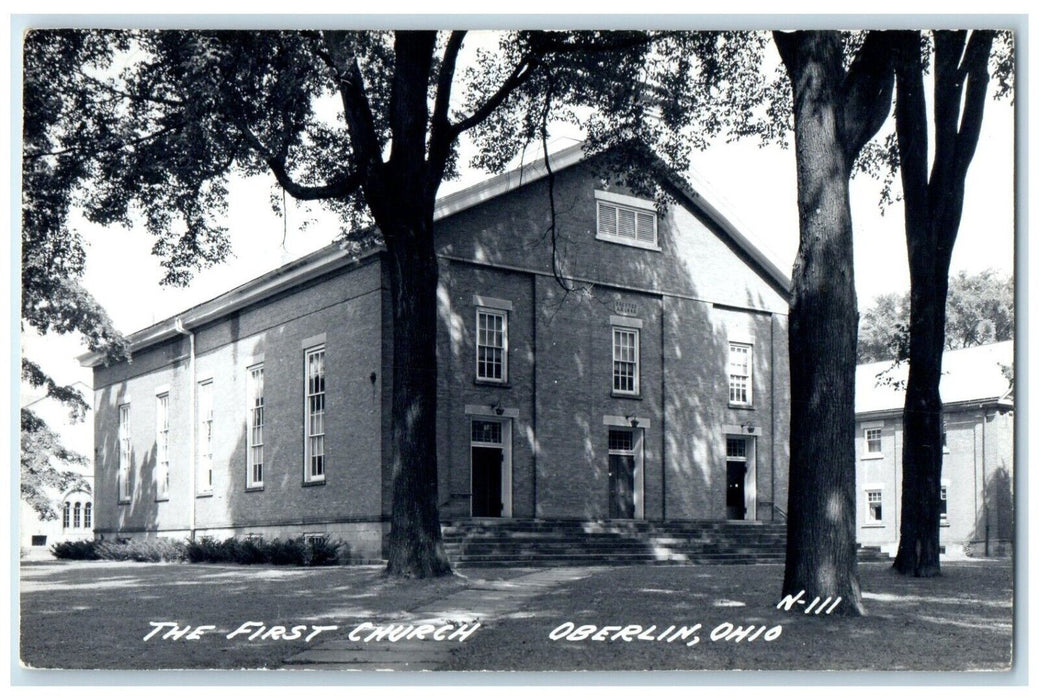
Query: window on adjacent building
{"x": 626, "y": 224}
{"x": 873, "y": 445}
{"x": 205, "y": 436}
{"x": 314, "y": 447}
{"x": 625, "y": 360}
{"x": 739, "y": 373}
{"x": 874, "y": 502}
{"x": 66, "y": 520}
{"x": 88, "y": 515}
{"x": 77, "y": 515}
{"x": 124, "y": 452}
{"x": 254, "y": 477}
{"x": 162, "y": 446}
{"x": 943, "y": 504}
{"x": 492, "y": 345}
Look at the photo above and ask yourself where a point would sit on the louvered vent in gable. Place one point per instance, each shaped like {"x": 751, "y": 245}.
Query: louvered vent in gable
{"x": 627, "y": 220}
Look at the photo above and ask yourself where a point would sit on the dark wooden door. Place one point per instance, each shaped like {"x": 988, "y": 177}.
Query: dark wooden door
{"x": 622, "y": 486}
{"x": 486, "y": 487}
{"x": 735, "y": 498}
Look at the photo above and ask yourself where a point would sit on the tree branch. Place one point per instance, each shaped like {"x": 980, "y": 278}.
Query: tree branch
{"x": 975, "y": 65}
{"x": 519, "y": 75}
{"x": 911, "y": 130}
{"x": 338, "y": 187}
{"x": 107, "y": 149}
{"x": 356, "y": 107}
{"x": 126, "y": 95}
{"x": 440, "y": 130}
{"x": 867, "y": 89}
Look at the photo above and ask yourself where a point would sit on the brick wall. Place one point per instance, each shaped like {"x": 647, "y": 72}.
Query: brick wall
{"x": 345, "y": 312}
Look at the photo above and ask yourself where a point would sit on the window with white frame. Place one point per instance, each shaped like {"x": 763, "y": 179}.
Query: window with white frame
{"x": 627, "y": 220}
{"x": 492, "y": 345}
{"x": 625, "y": 360}
{"x": 88, "y": 515}
{"x": 943, "y": 503}
{"x": 873, "y": 442}
{"x": 740, "y": 373}
{"x": 77, "y": 513}
{"x": 162, "y": 446}
{"x": 205, "y": 436}
{"x": 66, "y": 520}
{"x": 314, "y": 445}
{"x": 254, "y": 452}
{"x": 874, "y": 506}
{"x": 124, "y": 453}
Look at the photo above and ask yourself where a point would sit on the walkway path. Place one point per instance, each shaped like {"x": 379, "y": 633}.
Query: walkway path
{"x": 484, "y": 602}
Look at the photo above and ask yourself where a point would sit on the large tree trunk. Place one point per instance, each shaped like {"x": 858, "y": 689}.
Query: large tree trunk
{"x": 933, "y": 207}
{"x": 821, "y": 550}
{"x": 918, "y": 547}
{"x": 415, "y": 545}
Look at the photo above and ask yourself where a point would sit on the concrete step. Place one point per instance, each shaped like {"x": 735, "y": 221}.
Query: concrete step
{"x": 508, "y": 542}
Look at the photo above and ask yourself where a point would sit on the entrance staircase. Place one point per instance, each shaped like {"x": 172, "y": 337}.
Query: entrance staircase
{"x": 518, "y": 542}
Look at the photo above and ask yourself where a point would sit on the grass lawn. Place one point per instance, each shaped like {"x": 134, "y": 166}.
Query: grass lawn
{"x": 96, "y": 614}
{"x": 960, "y": 621}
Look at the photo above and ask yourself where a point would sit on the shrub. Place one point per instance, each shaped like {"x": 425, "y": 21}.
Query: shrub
{"x": 153, "y": 550}
{"x": 81, "y": 549}
{"x": 291, "y": 552}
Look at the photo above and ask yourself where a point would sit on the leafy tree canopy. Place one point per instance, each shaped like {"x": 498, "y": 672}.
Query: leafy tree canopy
{"x": 979, "y": 310}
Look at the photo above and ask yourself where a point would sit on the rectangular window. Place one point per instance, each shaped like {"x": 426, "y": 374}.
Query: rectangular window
{"x": 739, "y": 373}
{"x": 162, "y": 447}
{"x": 77, "y": 512}
{"x": 88, "y": 515}
{"x": 626, "y": 361}
{"x": 628, "y": 225}
{"x": 254, "y": 433}
{"x": 492, "y": 345}
{"x": 314, "y": 447}
{"x": 873, "y": 445}
{"x": 124, "y": 452}
{"x": 943, "y": 504}
{"x": 736, "y": 449}
{"x": 65, "y": 521}
{"x": 205, "y": 436}
{"x": 875, "y": 503}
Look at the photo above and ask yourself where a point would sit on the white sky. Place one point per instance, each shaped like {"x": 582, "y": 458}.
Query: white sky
{"x": 755, "y": 184}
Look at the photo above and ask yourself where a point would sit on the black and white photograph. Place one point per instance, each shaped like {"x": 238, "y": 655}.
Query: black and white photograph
{"x": 656, "y": 345}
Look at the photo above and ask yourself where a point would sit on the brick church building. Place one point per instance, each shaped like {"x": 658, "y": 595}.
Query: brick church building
{"x": 654, "y": 388}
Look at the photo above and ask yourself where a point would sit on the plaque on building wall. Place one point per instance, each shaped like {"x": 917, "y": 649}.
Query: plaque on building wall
{"x": 625, "y": 308}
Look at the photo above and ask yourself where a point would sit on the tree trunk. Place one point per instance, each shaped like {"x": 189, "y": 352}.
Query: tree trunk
{"x": 922, "y": 415}
{"x": 821, "y": 551}
{"x": 415, "y": 544}
{"x": 922, "y": 428}
{"x": 933, "y": 207}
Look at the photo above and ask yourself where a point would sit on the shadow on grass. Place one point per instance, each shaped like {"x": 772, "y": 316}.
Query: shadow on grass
{"x": 960, "y": 621}
{"x": 96, "y": 614}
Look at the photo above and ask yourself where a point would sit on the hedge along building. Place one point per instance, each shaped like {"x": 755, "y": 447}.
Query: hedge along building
{"x": 654, "y": 387}
{"x": 977, "y": 506}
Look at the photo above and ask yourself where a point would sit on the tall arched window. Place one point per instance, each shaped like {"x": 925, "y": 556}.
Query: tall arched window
{"x": 88, "y": 512}
{"x": 65, "y": 515}
{"x": 75, "y": 515}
